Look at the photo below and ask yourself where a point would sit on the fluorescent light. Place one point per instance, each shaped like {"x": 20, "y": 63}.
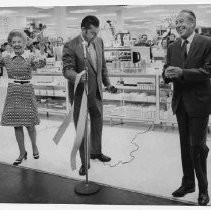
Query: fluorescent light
{"x": 153, "y": 11}
{"x": 73, "y": 26}
{"x": 83, "y": 11}
{"x": 140, "y": 20}
{"x": 7, "y": 12}
{"x": 128, "y": 18}
{"x": 39, "y": 16}
{"x": 107, "y": 15}
{"x": 132, "y": 26}
{"x": 71, "y": 18}
{"x": 204, "y": 6}
{"x": 44, "y": 7}
{"x": 134, "y": 6}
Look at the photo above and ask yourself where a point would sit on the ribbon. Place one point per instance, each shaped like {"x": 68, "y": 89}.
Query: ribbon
{"x": 81, "y": 124}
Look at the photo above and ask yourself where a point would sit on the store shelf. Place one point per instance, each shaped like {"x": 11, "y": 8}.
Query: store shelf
{"x": 51, "y": 110}
{"x": 48, "y": 74}
{"x": 49, "y": 87}
{"x": 132, "y": 75}
{"x": 50, "y": 96}
{"x": 117, "y": 49}
{"x": 52, "y": 87}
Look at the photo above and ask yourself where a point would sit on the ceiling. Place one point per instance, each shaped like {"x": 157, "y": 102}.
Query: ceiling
{"x": 137, "y": 18}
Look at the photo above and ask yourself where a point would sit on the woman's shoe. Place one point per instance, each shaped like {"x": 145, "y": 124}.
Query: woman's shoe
{"x": 36, "y": 156}
{"x": 19, "y": 161}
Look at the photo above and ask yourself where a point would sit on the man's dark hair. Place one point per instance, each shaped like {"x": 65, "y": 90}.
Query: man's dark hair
{"x": 191, "y": 13}
{"x": 90, "y": 20}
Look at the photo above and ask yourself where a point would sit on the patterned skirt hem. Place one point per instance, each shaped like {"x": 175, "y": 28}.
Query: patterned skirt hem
{"x": 17, "y": 125}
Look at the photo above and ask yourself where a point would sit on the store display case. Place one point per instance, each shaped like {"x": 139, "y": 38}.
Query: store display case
{"x": 135, "y": 99}
{"x": 125, "y": 60}
{"x": 140, "y": 96}
{"x": 142, "y": 93}
{"x": 51, "y": 90}
{"x": 165, "y": 98}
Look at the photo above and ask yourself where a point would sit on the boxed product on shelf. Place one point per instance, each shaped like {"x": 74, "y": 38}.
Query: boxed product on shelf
{"x": 59, "y": 93}
{"x": 37, "y": 91}
{"x": 109, "y": 96}
{"x": 43, "y": 92}
{"x": 118, "y": 111}
{"x": 50, "y": 61}
{"x": 42, "y": 79}
{"x": 107, "y": 109}
{"x": 49, "y": 92}
{"x": 135, "y": 112}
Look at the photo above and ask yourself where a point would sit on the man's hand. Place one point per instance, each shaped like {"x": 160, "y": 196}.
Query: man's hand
{"x": 111, "y": 89}
{"x": 172, "y": 72}
{"x": 84, "y": 78}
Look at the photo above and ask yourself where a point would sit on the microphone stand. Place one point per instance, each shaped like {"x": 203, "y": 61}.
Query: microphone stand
{"x": 86, "y": 187}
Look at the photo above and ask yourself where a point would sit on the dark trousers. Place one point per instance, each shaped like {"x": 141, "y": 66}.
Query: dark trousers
{"x": 95, "y": 109}
{"x": 194, "y": 151}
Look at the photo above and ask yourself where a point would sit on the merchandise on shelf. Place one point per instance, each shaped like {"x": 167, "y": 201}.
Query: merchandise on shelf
{"x": 50, "y": 91}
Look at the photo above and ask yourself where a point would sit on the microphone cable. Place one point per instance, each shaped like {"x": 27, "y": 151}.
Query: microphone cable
{"x": 132, "y": 156}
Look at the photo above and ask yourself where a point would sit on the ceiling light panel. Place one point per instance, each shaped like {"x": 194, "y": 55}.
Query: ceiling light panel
{"x": 107, "y": 15}
{"x": 7, "y": 12}
{"x": 154, "y": 11}
{"x": 204, "y": 6}
{"x": 71, "y": 18}
{"x": 44, "y": 7}
{"x": 83, "y": 11}
{"x": 140, "y": 20}
{"x": 128, "y": 18}
{"x": 39, "y": 16}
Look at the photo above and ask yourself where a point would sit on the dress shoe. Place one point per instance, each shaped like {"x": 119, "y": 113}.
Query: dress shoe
{"x": 182, "y": 191}
{"x": 100, "y": 157}
{"x": 203, "y": 199}
{"x": 82, "y": 170}
{"x": 36, "y": 156}
{"x": 19, "y": 161}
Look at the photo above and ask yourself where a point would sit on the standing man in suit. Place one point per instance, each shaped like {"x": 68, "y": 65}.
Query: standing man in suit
{"x": 189, "y": 68}
{"x": 73, "y": 64}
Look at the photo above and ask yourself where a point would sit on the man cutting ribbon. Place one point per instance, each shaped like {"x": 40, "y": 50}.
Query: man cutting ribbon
{"x": 87, "y": 45}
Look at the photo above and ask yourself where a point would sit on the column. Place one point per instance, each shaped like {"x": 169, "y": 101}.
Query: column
{"x": 60, "y": 21}
{"x": 120, "y": 21}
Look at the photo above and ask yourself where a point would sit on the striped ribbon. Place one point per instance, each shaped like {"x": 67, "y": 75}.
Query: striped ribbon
{"x": 81, "y": 124}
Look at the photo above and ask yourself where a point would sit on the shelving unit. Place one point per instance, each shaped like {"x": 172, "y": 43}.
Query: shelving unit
{"x": 51, "y": 92}
{"x": 140, "y": 97}
{"x": 144, "y": 99}
{"x": 134, "y": 101}
{"x": 165, "y": 97}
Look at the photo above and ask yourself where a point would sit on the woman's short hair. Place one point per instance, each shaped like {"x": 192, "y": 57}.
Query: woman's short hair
{"x": 17, "y": 32}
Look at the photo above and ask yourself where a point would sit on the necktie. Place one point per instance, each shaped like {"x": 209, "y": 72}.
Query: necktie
{"x": 93, "y": 55}
{"x": 184, "y": 49}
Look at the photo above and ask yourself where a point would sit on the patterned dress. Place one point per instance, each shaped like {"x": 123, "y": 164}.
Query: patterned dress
{"x": 20, "y": 108}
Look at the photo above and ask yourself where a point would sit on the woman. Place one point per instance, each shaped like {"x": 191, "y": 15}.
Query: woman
{"x": 20, "y": 108}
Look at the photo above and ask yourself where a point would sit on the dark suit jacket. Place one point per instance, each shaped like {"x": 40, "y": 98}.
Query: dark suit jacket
{"x": 73, "y": 63}
{"x": 194, "y": 85}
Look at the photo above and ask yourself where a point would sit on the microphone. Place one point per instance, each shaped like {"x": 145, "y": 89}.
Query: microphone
{"x": 84, "y": 48}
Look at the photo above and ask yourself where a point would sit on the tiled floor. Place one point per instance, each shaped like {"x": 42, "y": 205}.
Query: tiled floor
{"x": 156, "y": 168}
